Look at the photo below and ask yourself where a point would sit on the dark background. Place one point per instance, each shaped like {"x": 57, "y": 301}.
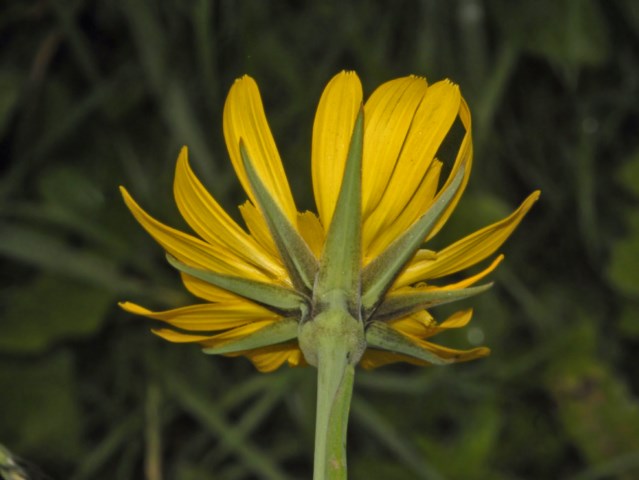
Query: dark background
{"x": 96, "y": 94}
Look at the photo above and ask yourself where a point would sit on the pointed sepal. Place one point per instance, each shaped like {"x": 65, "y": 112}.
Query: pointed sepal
{"x": 277, "y": 298}
{"x": 402, "y": 304}
{"x": 277, "y": 332}
{"x": 380, "y": 335}
{"x": 341, "y": 259}
{"x": 379, "y": 275}
{"x": 300, "y": 262}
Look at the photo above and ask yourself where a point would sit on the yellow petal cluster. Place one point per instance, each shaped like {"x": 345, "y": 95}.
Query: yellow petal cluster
{"x": 406, "y": 120}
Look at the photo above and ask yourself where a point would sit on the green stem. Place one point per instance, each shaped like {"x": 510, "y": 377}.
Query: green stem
{"x": 335, "y": 376}
{"x": 336, "y": 448}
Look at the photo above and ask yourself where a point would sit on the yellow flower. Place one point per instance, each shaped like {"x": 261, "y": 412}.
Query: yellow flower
{"x": 404, "y": 123}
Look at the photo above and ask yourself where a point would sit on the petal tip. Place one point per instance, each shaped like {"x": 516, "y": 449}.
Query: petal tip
{"x": 126, "y": 196}
{"x": 244, "y": 78}
{"x": 483, "y": 351}
{"x": 133, "y": 308}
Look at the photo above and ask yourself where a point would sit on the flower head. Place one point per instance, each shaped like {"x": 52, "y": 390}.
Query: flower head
{"x": 359, "y": 268}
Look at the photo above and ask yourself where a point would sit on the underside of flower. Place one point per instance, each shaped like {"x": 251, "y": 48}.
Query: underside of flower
{"x": 357, "y": 277}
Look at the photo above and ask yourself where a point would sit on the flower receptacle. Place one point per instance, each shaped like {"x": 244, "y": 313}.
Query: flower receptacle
{"x": 332, "y": 332}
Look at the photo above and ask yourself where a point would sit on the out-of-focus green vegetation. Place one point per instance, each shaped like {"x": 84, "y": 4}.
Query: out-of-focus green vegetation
{"x": 95, "y": 94}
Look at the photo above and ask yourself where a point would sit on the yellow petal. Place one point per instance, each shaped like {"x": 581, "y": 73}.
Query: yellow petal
{"x": 296, "y": 359}
{"x": 312, "y": 232}
{"x": 373, "y": 358}
{"x": 388, "y": 116}
{"x": 456, "y": 320}
{"x": 468, "y": 251}
{"x": 417, "y": 324}
{"x": 206, "y": 291}
{"x": 332, "y": 130}
{"x": 378, "y": 358}
{"x": 415, "y": 208}
{"x": 465, "y": 158}
{"x": 454, "y": 354}
{"x": 421, "y": 325}
{"x": 213, "y": 340}
{"x": 256, "y": 224}
{"x": 268, "y": 359}
{"x": 177, "y": 337}
{"x": 467, "y": 282}
{"x": 207, "y": 316}
{"x": 244, "y": 119}
{"x": 191, "y": 250}
{"x": 433, "y": 119}
{"x": 410, "y": 327}
{"x": 424, "y": 254}
{"x": 213, "y": 224}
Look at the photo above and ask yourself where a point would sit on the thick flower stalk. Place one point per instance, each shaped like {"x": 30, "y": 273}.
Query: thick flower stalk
{"x": 351, "y": 285}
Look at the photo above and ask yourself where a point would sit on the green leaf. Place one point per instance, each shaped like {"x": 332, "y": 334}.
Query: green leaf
{"x": 51, "y": 254}
{"x": 210, "y": 418}
{"x": 628, "y": 174}
{"x": 628, "y": 322}
{"x": 300, "y": 262}
{"x": 67, "y": 188}
{"x": 40, "y": 414}
{"x": 277, "y": 332}
{"x": 379, "y": 275}
{"x": 10, "y": 85}
{"x": 122, "y": 433}
{"x": 341, "y": 260}
{"x": 49, "y": 309}
{"x": 570, "y": 34}
{"x": 386, "y": 433}
{"x": 623, "y": 269}
{"x": 399, "y": 305}
{"x": 381, "y": 336}
{"x": 273, "y": 296}
{"x": 595, "y": 408}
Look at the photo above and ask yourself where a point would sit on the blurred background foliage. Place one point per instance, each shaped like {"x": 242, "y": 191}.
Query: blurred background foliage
{"x": 96, "y": 94}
